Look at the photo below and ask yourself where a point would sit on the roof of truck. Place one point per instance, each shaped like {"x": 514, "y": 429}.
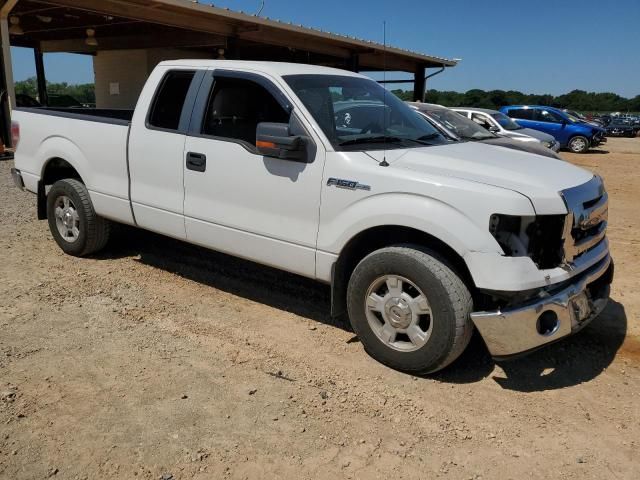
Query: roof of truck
{"x": 271, "y": 68}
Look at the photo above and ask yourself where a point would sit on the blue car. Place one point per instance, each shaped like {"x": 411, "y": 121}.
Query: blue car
{"x": 572, "y": 132}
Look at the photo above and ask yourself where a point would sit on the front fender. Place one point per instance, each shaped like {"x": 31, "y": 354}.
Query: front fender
{"x": 428, "y": 215}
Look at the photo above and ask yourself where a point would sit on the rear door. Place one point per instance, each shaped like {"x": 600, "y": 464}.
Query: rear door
{"x": 523, "y": 117}
{"x": 236, "y": 200}
{"x": 156, "y": 148}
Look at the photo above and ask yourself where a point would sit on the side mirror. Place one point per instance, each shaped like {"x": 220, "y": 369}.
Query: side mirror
{"x": 275, "y": 140}
{"x": 494, "y": 129}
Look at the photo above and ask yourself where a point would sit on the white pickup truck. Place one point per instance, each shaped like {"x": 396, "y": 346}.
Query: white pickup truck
{"x": 298, "y": 167}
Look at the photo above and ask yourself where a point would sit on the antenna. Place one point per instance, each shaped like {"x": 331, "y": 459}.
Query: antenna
{"x": 384, "y": 162}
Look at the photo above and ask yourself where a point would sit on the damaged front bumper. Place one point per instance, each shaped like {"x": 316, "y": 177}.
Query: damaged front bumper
{"x": 518, "y": 330}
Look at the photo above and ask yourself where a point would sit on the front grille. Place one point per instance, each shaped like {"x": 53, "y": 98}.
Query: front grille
{"x": 586, "y": 224}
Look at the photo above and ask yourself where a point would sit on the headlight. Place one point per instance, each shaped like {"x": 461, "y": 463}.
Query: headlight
{"x": 538, "y": 237}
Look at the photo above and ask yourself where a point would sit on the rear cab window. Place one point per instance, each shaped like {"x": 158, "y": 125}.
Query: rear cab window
{"x": 168, "y": 103}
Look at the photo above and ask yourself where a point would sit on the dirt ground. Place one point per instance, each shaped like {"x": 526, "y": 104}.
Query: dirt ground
{"x": 158, "y": 360}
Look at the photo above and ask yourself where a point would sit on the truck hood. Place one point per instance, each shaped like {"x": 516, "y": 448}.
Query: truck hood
{"x": 538, "y": 178}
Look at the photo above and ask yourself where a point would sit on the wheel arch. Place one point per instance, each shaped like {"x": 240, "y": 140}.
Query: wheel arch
{"x": 377, "y": 237}
{"x": 53, "y": 169}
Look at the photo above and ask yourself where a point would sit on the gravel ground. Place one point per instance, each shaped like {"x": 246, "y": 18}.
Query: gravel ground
{"x": 158, "y": 359}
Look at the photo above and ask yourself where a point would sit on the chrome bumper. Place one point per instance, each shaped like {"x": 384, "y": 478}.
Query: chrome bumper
{"x": 17, "y": 178}
{"x": 521, "y": 329}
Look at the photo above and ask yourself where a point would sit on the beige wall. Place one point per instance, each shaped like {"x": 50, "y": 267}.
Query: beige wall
{"x": 129, "y": 69}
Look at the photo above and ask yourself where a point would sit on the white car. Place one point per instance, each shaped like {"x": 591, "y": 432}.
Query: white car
{"x": 420, "y": 239}
{"x": 500, "y": 124}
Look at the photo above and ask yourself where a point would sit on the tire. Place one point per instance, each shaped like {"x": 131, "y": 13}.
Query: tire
{"x": 444, "y": 321}
{"x": 579, "y": 144}
{"x": 73, "y": 222}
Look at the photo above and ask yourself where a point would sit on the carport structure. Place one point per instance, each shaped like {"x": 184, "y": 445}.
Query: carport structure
{"x": 127, "y": 38}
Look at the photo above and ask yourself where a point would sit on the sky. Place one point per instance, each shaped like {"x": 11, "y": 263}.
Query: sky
{"x": 543, "y": 46}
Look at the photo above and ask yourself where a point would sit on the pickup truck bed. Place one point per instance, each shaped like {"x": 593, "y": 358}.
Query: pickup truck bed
{"x": 74, "y": 138}
{"x": 106, "y": 115}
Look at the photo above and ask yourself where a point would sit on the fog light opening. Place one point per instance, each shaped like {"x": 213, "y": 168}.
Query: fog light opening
{"x": 548, "y": 323}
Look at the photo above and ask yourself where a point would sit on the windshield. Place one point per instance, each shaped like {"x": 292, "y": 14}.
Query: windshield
{"x": 573, "y": 119}
{"x": 461, "y": 126}
{"x": 357, "y": 113}
{"x": 505, "y": 122}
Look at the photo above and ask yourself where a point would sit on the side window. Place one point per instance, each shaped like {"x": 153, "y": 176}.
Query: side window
{"x": 547, "y": 116}
{"x": 167, "y": 105}
{"x": 235, "y": 108}
{"x": 521, "y": 113}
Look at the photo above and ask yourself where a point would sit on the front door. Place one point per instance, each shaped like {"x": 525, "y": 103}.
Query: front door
{"x": 550, "y": 122}
{"x": 236, "y": 200}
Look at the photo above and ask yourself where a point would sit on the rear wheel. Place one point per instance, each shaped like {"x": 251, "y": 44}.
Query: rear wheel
{"x": 409, "y": 309}
{"x": 579, "y": 144}
{"x": 73, "y": 222}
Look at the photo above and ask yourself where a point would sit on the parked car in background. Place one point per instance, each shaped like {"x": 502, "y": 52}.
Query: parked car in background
{"x": 503, "y": 126}
{"x": 459, "y": 128}
{"x": 571, "y": 132}
{"x": 578, "y": 115}
{"x": 617, "y": 128}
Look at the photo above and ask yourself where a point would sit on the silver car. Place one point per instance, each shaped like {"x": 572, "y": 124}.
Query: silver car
{"x": 500, "y": 124}
{"x": 456, "y": 127}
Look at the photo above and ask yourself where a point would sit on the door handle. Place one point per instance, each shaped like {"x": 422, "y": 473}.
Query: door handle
{"x": 196, "y": 162}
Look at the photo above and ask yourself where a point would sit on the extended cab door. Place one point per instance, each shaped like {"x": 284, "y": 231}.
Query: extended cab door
{"x": 156, "y": 149}
{"x": 236, "y": 200}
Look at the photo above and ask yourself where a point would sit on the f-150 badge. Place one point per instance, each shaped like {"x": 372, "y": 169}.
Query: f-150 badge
{"x": 347, "y": 184}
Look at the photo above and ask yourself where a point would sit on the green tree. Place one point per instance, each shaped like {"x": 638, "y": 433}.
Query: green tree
{"x": 84, "y": 93}
{"x": 579, "y": 100}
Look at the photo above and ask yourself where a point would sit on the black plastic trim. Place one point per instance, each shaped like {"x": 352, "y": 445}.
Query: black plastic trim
{"x": 86, "y": 116}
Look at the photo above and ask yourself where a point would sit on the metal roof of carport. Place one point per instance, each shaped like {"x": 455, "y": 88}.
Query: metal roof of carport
{"x": 61, "y": 26}
{"x": 196, "y": 17}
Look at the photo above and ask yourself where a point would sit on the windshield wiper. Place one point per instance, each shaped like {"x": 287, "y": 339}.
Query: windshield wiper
{"x": 429, "y": 136}
{"x": 390, "y": 139}
{"x": 376, "y": 139}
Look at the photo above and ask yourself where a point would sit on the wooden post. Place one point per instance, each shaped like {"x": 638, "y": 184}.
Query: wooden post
{"x": 41, "y": 78}
{"x": 354, "y": 62}
{"x": 419, "y": 84}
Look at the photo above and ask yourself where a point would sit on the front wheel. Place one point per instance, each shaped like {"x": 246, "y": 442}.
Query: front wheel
{"x": 73, "y": 222}
{"x": 409, "y": 309}
{"x": 579, "y": 144}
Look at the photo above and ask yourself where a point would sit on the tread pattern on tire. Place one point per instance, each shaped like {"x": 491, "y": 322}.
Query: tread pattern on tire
{"x": 97, "y": 228}
{"x": 459, "y": 297}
